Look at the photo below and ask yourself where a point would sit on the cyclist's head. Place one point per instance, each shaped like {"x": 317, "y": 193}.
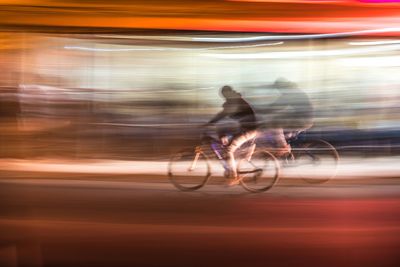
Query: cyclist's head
{"x": 228, "y": 92}
{"x": 282, "y": 83}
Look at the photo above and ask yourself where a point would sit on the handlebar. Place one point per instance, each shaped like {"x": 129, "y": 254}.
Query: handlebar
{"x": 208, "y": 134}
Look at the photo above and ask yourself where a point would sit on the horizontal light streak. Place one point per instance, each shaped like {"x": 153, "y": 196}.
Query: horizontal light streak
{"x": 165, "y": 49}
{"x": 293, "y": 37}
{"x": 300, "y": 54}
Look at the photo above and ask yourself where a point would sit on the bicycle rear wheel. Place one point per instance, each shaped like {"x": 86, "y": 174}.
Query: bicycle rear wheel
{"x": 260, "y": 173}
{"x": 317, "y": 161}
{"x": 189, "y": 170}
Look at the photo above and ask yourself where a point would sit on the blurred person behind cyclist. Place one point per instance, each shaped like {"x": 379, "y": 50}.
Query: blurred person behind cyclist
{"x": 238, "y": 109}
{"x": 290, "y": 114}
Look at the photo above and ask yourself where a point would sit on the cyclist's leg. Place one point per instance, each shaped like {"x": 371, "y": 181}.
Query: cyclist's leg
{"x": 281, "y": 147}
{"x": 293, "y": 133}
{"x": 237, "y": 142}
{"x": 299, "y": 126}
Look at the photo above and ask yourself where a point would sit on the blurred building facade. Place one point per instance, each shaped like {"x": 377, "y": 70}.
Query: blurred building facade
{"x": 124, "y": 96}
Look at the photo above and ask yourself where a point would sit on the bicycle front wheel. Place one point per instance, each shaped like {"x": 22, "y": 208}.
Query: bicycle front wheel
{"x": 189, "y": 170}
{"x": 317, "y": 161}
{"x": 260, "y": 173}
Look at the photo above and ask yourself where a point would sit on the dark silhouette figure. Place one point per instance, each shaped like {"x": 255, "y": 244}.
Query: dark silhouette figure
{"x": 291, "y": 114}
{"x": 238, "y": 109}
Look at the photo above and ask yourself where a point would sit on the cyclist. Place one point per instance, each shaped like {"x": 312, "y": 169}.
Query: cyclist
{"x": 292, "y": 113}
{"x": 238, "y": 109}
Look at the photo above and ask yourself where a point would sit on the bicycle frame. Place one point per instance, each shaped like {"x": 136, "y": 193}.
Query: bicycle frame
{"x": 198, "y": 150}
{"x": 216, "y": 148}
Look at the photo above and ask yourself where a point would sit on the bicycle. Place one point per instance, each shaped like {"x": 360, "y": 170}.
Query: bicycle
{"x": 190, "y": 170}
{"x": 316, "y": 160}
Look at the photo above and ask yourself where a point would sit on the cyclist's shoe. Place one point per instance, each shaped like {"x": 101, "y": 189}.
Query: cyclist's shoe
{"x": 234, "y": 181}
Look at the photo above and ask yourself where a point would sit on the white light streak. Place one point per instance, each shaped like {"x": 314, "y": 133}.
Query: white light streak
{"x": 292, "y": 37}
{"x": 301, "y": 54}
{"x": 111, "y": 49}
{"x": 165, "y": 48}
{"x": 241, "y": 46}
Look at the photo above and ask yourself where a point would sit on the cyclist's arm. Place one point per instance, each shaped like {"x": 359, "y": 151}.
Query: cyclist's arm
{"x": 218, "y": 117}
{"x": 227, "y": 109}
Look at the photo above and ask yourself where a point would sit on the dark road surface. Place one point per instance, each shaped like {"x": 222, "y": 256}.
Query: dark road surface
{"x": 103, "y": 223}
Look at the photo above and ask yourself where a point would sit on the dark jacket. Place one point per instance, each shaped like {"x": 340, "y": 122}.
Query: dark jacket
{"x": 238, "y": 109}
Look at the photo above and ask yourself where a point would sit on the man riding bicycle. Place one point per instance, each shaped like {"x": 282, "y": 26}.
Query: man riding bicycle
{"x": 238, "y": 109}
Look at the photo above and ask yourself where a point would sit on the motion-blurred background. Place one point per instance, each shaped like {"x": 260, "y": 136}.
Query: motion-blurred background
{"x": 135, "y": 95}
{"x": 95, "y": 96}
{"x": 93, "y": 79}
{"x": 131, "y": 79}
